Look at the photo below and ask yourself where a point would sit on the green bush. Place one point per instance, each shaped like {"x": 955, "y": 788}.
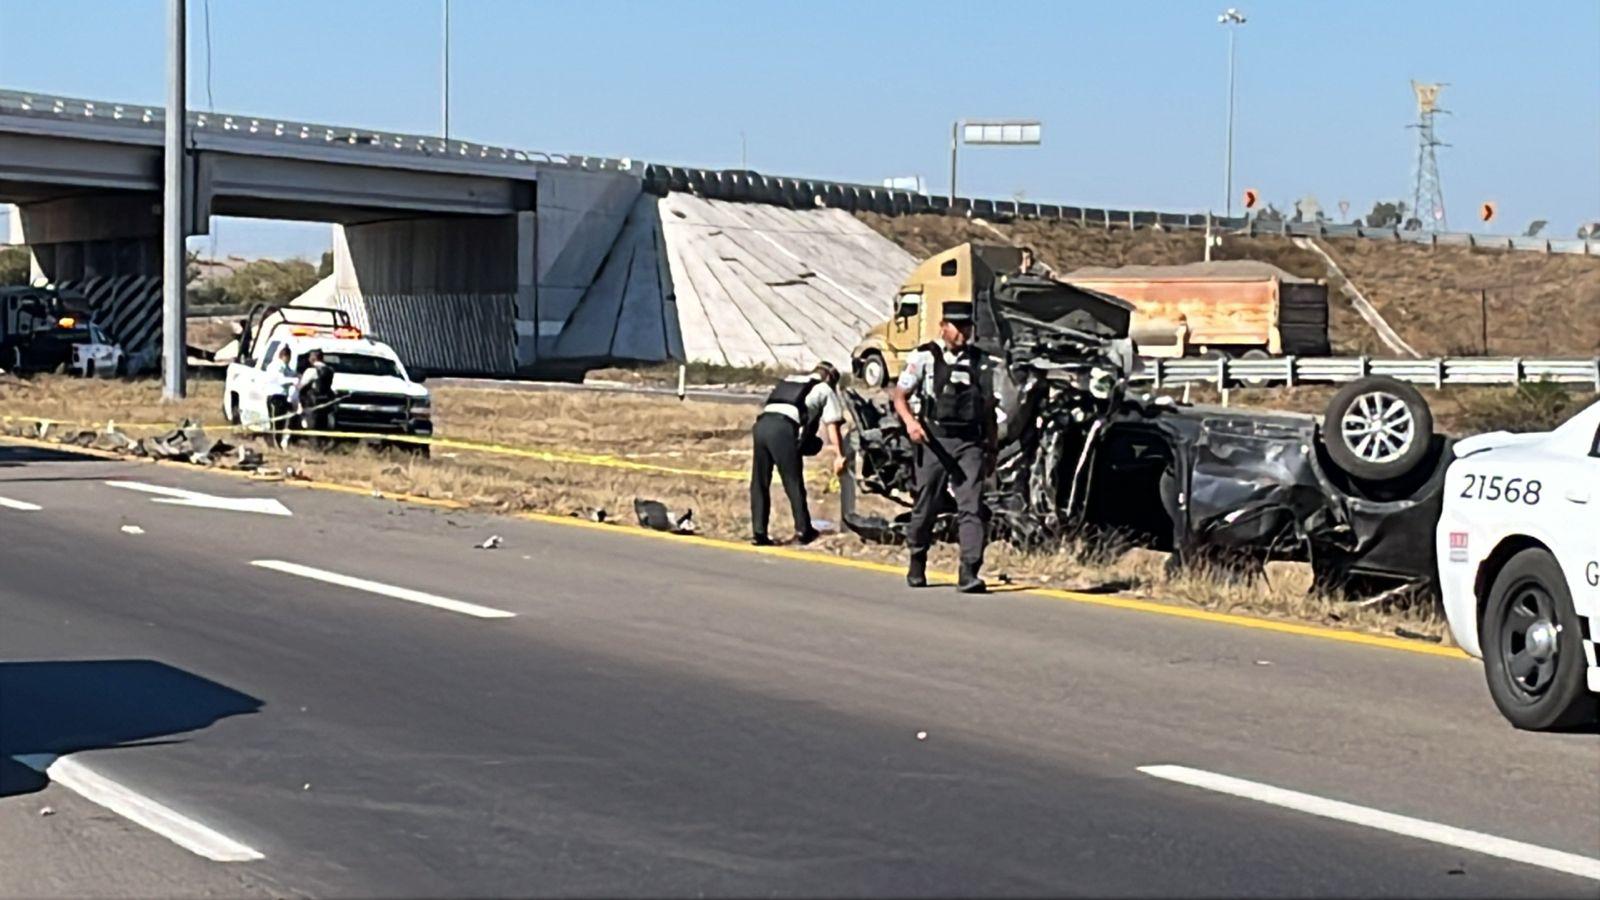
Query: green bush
{"x": 14, "y": 265}
{"x": 271, "y": 281}
{"x": 1537, "y": 406}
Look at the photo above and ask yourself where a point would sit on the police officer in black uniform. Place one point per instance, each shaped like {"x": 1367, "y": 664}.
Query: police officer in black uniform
{"x": 316, "y": 393}
{"x": 785, "y": 432}
{"x": 956, "y": 435}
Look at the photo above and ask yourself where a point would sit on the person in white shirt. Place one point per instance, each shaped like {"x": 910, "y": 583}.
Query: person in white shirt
{"x": 785, "y": 432}
{"x": 280, "y": 409}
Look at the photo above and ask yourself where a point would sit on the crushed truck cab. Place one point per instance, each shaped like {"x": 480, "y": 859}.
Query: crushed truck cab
{"x": 372, "y": 393}
{"x": 1518, "y": 547}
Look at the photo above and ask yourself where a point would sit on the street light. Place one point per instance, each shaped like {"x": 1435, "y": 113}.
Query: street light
{"x": 444, "y": 91}
{"x": 174, "y": 349}
{"x": 980, "y": 132}
{"x": 1230, "y": 19}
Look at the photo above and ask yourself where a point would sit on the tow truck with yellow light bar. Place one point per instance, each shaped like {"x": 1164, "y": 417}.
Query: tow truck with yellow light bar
{"x": 372, "y": 392}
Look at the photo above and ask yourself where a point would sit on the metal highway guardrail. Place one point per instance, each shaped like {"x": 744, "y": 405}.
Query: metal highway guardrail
{"x": 1436, "y": 372}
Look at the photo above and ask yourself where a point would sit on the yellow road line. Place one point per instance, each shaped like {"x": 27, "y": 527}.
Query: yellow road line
{"x": 1116, "y": 602}
{"x": 816, "y": 557}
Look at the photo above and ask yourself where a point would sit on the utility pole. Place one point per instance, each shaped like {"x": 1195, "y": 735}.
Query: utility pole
{"x": 1427, "y": 193}
{"x": 1230, "y": 19}
{"x": 955, "y": 138}
{"x": 445, "y": 93}
{"x": 174, "y": 346}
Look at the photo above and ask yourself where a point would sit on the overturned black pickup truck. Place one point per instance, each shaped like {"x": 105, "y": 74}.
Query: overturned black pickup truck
{"x": 1356, "y": 492}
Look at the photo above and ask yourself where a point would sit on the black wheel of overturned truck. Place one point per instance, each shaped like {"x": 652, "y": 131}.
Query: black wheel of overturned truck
{"x": 1377, "y": 429}
{"x": 874, "y": 371}
{"x": 1533, "y": 648}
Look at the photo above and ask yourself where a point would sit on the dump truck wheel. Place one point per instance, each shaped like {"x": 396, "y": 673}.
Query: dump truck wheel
{"x": 1377, "y": 429}
{"x": 1254, "y": 353}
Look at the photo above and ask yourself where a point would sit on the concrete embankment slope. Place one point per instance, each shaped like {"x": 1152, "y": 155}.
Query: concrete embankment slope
{"x": 625, "y": 276}
{"x": 764, "y": 285}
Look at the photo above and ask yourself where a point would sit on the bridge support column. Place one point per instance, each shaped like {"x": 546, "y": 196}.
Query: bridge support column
{"x": 446, "y": 292}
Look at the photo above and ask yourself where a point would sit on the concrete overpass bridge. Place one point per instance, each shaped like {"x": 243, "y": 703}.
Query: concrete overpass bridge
{"x": 470, "y": 258}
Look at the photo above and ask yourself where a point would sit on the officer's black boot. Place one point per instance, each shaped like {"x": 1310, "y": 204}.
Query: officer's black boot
{"x": 970, "y": 583}
{"x": 917, "y": 571}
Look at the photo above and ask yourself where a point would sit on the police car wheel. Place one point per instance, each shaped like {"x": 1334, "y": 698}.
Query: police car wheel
{"x": 874, "y": 372}
{"x": 1377, "y": 429}
{"x": 1533, "y": 647}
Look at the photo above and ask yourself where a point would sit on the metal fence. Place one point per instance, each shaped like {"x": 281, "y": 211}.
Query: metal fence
{"x": 1436, "y": 372}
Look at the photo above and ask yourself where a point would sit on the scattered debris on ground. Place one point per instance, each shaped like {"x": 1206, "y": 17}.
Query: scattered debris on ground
{"x": 653, "y": 514}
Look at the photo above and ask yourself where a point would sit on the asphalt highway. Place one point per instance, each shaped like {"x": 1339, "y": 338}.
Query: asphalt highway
{"x": 351, "y": 699}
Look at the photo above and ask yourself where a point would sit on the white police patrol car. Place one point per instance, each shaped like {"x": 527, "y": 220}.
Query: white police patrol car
{"x": 1518, "y": 548}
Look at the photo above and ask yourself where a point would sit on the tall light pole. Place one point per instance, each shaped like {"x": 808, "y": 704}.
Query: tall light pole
{"x": 1230, "y": 19}
{"x": 445, "y": 92}
{"x": 174, "y": 347}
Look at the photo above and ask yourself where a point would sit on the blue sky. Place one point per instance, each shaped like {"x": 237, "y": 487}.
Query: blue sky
{"x": 1132, "y": 94}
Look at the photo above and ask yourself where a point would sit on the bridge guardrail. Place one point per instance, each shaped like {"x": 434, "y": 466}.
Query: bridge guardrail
{"x": 1435, "y": 372}
{"x": 143, "y": 123}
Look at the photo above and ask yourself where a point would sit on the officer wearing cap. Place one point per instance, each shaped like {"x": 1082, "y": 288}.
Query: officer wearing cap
{"x": 785, "y": 432}
{"x": 956, "y": 435}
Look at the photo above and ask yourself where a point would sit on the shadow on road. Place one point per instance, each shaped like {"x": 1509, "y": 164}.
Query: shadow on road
{"x": 49, "y": 709}
{"x": 20, "y": 455}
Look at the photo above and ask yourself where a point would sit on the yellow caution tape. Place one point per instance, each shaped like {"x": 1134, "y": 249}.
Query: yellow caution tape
{"x": 573, "y": 457}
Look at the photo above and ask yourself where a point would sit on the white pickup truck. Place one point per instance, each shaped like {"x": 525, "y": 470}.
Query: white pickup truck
{"x": 373, "y": 394}
{"x": 1518, "y": 548}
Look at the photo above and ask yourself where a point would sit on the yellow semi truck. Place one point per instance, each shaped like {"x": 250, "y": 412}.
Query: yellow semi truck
{"x": 955, "y": 274}
{"x": 1233, "y": 308}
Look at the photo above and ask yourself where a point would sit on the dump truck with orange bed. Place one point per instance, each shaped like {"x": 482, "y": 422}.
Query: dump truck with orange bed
{"x": 1230, "y": 307}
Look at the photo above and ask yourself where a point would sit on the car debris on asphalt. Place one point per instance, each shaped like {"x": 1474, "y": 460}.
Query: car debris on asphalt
{"x": 653, "y": 514}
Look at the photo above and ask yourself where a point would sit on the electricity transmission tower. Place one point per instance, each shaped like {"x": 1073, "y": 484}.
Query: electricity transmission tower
{"x": 1427, "y": 196}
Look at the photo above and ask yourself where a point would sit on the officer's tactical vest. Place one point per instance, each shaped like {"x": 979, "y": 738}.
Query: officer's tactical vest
{"x": 956, "y": 408}
{"x": 794, "y": 393}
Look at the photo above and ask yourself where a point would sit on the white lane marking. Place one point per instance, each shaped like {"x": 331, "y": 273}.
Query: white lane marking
{"x": 19, "y": 505}
{"x": 180, "y": 497}
{"x": 387, "y": 590}
{"x": 1476, "y": 841}
{"x": 141, "y": 810}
